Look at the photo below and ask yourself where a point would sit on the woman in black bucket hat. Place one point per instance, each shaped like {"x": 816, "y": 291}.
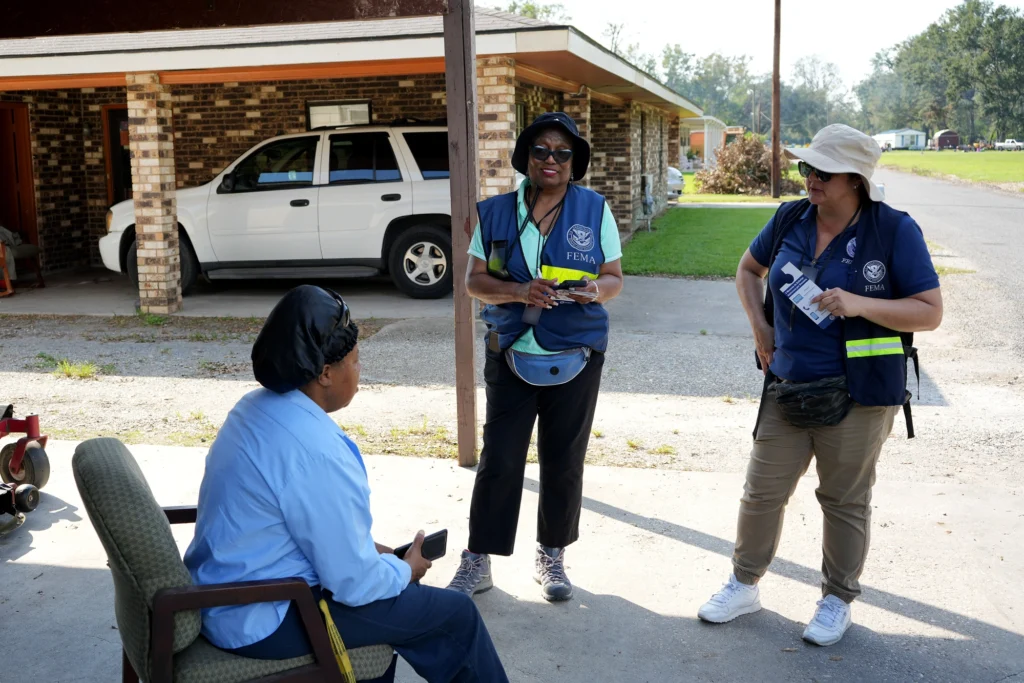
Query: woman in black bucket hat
{"x": 544, "y": 260}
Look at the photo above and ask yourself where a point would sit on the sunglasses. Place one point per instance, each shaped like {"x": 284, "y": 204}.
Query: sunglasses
{"x": 345, "y": 319}
{"x": 542, "y": 153}
{"x": 806, "y": 169}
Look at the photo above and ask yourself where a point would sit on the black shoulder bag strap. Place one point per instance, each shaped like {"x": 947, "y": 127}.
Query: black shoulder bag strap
{"x": 910, "y": 351}
{"x": 785, "y": 218}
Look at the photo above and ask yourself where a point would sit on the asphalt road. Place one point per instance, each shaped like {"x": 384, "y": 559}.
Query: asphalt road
{"x": 986, "y": 229}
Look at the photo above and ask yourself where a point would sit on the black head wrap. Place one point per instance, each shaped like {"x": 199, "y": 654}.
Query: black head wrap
{"x": 304, "y": 332}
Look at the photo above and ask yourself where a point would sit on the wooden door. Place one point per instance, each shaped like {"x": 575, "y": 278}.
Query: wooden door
{"x": 118, "y": 157}
{"x": 17, "y": 190}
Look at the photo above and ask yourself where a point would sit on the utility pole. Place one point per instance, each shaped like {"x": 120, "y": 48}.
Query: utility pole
{"x": 776, "y": 107}
{"x": 460, "y": 81}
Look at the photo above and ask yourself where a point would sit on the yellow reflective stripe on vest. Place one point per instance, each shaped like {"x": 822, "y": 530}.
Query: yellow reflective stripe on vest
{"x": 883, "y": 346}
{"x": 564, "y": 274}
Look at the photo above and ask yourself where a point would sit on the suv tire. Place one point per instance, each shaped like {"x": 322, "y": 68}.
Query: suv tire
{"x": 189, "y": 265}
{"x": 420, "y": 262}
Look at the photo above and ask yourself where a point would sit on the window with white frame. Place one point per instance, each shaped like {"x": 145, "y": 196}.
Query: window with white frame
{"x": 344, "y": 113}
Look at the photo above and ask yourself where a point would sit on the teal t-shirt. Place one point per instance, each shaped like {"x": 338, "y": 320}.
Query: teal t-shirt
{"x": 532, "y": 244}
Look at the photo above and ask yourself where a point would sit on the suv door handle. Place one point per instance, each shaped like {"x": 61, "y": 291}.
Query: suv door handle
{"x": 300, "y": 202}
{"x": 391, "y": 197}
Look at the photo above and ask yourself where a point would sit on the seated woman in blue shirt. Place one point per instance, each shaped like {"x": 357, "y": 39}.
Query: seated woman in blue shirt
{"x": 833, "y": 386}
{"x": 285, "y": 494}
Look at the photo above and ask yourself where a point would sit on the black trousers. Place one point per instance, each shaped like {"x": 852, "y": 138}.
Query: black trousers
{"x": 566, "y": 415}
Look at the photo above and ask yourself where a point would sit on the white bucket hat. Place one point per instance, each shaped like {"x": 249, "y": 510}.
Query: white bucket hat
{"x": 841, "y": 149}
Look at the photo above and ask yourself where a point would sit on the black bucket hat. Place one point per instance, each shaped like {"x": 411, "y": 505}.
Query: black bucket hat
{"x": 559, "y": 121}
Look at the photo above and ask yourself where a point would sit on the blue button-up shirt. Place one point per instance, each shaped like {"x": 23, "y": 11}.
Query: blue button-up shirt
{"x": 285, "y": 494}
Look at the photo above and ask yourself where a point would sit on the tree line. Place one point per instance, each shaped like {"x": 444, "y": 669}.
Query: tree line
{"x": 965, "y": 72}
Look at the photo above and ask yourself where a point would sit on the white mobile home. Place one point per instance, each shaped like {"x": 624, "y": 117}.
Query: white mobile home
{"x": 904, "y": 138}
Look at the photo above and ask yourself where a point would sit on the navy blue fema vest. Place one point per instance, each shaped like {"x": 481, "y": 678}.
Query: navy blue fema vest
{"x": 572, "y": 250}
{"x": 876, "y": 356}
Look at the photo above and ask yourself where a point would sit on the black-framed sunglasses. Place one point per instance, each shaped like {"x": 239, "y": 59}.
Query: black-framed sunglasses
{"x": 806, "y": 169}
{"x": 542, "y": 153}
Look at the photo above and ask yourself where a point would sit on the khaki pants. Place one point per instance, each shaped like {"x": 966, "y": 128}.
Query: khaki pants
{"x": 846, "y": 456}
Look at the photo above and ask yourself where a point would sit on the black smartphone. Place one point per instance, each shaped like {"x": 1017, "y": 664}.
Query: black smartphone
{"x": 571, "y": 284}
{"x": 434, "y": 546}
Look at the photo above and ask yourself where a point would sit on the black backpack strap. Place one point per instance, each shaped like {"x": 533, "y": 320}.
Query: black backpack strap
{"x": 768, "y": 379}
{"x": 910, "y": 351}
{"x": 785, "y": 218}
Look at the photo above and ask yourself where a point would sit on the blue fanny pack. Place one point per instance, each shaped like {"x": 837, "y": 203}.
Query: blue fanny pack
{"x": 547, "y": 370}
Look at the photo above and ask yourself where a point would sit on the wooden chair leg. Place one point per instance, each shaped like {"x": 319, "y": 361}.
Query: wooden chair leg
{"x": 39, "y": 272}
{"x": 128, "y": 674}
{"x": 8, "y": 287}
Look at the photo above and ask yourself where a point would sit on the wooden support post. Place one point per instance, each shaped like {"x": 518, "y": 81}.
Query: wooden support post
{"x": 460, "y": 82}
{"x": 777, "y": 107}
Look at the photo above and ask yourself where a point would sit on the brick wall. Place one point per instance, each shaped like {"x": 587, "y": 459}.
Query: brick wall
{"x": 611, "y": 162}
{"x": 215, "y": 124}
{"x": 536, "y": 101}
{"x": 58, "y": 167}
{"x": 496, "y": 98}
{"x": 649, "y": 156}
{"x": 97, "y": 200}
{"x": 578, "y": 107}
{"x": 673, "y": 142}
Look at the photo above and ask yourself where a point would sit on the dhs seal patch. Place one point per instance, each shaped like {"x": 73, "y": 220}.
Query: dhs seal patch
{"x": 851, "y": 248}
{"x": 581, "y": 237}
{"x": 874, "y": 271}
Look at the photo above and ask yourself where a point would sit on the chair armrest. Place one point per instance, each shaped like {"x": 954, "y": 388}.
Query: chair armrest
{"x": 181, "y": 514}
{"x": 172, "y": 600}
{"x": 228, "y": 594}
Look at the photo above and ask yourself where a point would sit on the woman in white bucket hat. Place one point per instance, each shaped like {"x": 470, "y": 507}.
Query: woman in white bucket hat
{"x": 835, "y": 374}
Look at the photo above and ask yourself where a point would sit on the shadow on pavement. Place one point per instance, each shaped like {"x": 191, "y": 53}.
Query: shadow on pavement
{"x": 596, "y": 637}
{"x": 52, "y": 510}
{"x": 980, "y": 655}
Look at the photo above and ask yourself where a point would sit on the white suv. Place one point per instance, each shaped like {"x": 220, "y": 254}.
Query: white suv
{"x": 344, "y": 202}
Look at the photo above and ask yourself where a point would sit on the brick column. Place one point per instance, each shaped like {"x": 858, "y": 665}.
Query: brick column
{"x": 673, "y": 142}
{"x": 496, "y": 102}
{"x": 578, "y": 107}
{"x": 611, "y": 169}
{"x": 151, "y": 141}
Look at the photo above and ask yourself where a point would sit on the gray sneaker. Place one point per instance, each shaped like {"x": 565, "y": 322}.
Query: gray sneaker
{"x": 474, "y": 574}
{"x": 549, "y": 572}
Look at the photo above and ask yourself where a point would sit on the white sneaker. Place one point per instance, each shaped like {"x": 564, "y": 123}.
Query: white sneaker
{"x": 734, "y": 600}
{"x": 830, "y": 622}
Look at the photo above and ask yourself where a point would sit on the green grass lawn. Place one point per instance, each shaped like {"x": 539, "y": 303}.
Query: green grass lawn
{"x": 694, "y": 242}
{"x": 984, "y": 167}
{"x": 692, "y": 195}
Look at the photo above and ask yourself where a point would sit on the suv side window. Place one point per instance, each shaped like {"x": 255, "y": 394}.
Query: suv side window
{"x": 431, "y": 153}
{"x": 281, "y": 165}
{"x": 362, "y": 158}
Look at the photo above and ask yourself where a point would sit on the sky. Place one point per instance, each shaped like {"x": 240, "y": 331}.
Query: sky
{"x": 847, "y": 33}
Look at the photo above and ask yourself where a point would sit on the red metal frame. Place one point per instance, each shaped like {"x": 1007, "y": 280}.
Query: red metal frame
{"x": 30, "y": 427}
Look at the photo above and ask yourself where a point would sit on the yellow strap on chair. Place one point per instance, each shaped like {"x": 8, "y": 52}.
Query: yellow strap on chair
{"x": 340, "y": 653}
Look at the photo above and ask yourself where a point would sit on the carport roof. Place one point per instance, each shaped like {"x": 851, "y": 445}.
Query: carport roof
{"x": 555, "y": 55}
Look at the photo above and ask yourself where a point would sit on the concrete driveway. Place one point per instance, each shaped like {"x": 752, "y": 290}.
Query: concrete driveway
{"x": 940, "y": 602}
{"x": 647, "y": 304}
{"x": 104, "y": 293}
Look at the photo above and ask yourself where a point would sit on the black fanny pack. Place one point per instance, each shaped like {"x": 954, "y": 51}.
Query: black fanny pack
{"x": 822, "y": 403}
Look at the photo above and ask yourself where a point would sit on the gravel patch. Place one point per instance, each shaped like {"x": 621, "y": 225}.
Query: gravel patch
{"x": 677, "y": 401}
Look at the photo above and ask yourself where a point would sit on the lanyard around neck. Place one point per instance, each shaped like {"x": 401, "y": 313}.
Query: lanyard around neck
{"x": 830, "y": 249}
{"x": 530, "y": 206}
